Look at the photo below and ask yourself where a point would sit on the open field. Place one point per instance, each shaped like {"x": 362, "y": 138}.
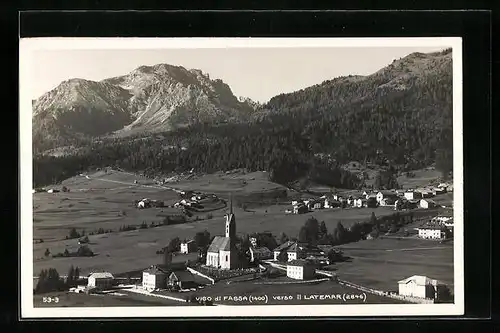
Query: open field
{"x": 69, "y": 299}
{"x": 422, "y": 178}
{"x": 235, "y": 293}
{"x": 381, "y": 263}
{"x": 100, "y": 202}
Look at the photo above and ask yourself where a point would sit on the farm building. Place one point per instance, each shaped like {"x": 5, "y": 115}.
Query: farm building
{"x": 296, "y": 251}
{"x": 300, "y": 208}
{"x": 381, "y": 195}
{"x": 300, "y": 269}
{"x": 259, "y": 253}
{"x": 359, "y": 202}
{"x": 426, "y": 193}
{"x": 390, "y": 201}
{"x": 431, "y": 232}
{"x": 421, "y": 287}
{"x": 331, "y": 203}
{"x": 181, "y": 279}
{"x": 442, "y": 218}
{"x": 102, "y": 280}
{"x": 427, "y": 203}
{"x": 188, "y": 246}
{"x": 439, "y": 190}
{"x": 281, "y": 250}
{"x": 413, "y": 195}
{"x": 154, "y": 278}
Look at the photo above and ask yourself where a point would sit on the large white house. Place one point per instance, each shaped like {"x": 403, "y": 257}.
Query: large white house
{"x": 430, "y": 232}
{"x": 421, "y": 287}
{"x": 300, "y": 269}
{"x": 154, "y": 278}
{"x": 102, "y": 280}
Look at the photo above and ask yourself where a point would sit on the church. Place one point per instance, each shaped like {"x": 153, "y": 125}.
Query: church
{"x": 222, "y": 252}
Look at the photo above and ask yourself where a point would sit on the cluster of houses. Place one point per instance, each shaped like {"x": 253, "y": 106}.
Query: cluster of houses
{"x": 191, "y": 199}
{"x": 439, "y": 228}
{"x": 302, "y": 260}
{"x": 399, "y": 199}
{"x": 50, "y": 190}
{"x": 148, "y": 203}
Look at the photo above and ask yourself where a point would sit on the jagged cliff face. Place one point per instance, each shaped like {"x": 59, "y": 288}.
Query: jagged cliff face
{"x": 150, "y": 98}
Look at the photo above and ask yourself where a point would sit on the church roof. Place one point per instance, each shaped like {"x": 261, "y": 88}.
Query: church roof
{"x": 219, "y": 243}
{"x": 284, "y": 246}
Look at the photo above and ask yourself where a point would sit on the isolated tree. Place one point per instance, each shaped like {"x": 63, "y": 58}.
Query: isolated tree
{"x": 202, "y": 239}
{"x": 323, "y": 231}
{"x": 245, "y": 243}
{"x": 73, "y": 233}
{"x": 283, "y": 238}
{"x": 303, "y": 235}
{"x": 70, "y": 277}
{"x": 373, "y": 219}
{"x": 47, "y": 252}
{"x": 312, "y": 229}
{"x": 76, "y": 275}
{"x": 174, "y": 245}
{"x": 340, "y": 233}
{"x": 66, "y": 253}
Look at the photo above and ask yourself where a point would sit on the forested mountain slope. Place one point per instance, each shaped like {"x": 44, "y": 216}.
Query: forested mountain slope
{"x": 399, "y": 117}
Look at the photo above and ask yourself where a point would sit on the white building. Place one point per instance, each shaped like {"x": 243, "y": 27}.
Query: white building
{"x": 188, "y": 247}
{"x": 153, "y": 278}
{"x": 381, "y": 195}
{"x": 300, "y": 270}
{"x": 442, "y": 218}
{"x": 426, "y": 204}
{"x": 295, "y": 251}
{"x": 103, "y": 280}
{"x": 412, "y": 195}
{"x": 222, "y": 252}
{"x": 431, "y": 233}
{"x": 282, "y": 250}
{"x": 421, "y": 287}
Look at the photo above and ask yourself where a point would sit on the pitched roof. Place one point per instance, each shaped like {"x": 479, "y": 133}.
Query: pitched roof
{"x": 261, "y": 250}
{"x": 153, "y": 270}
{"x": 102, "y": 275}
{"x": 298, "y": 262}
{"x": 188, "y": 241}
{"x": 284, "y": 246}
{"x": 421, "y": 281}
{"x": 219, "y": 243}
{"x": 183, "y": 276}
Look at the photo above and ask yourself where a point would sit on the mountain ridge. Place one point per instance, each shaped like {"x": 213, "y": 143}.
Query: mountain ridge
{"x": 149, "y": 99}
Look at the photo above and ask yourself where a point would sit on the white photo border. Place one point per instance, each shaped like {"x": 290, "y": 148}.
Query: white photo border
{"x": 27, "y": 48}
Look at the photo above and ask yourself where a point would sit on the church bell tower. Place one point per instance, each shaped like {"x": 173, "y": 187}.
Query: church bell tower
{"x": 231, "y": 221}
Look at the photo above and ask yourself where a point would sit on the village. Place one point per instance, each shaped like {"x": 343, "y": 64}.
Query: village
{"x": 197, "y": 269}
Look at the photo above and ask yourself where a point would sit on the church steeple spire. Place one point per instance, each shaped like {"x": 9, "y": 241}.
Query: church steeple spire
{"x": 230, "y": 220}
{"x": 230, "y": 203}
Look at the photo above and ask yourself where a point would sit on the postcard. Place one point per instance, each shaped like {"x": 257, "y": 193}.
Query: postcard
{"x": 241, "y": 177}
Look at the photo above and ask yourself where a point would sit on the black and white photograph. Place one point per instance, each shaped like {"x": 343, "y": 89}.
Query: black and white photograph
{"x": 241, "y": 177}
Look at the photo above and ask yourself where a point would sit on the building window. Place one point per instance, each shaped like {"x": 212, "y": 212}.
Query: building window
{"x": 226, "y": 257}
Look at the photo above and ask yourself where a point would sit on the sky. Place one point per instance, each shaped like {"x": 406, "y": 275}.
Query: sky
{"x": 257, "y": 73}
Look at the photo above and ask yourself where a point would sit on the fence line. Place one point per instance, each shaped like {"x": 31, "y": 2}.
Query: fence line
{"x": 193, "y": 271}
